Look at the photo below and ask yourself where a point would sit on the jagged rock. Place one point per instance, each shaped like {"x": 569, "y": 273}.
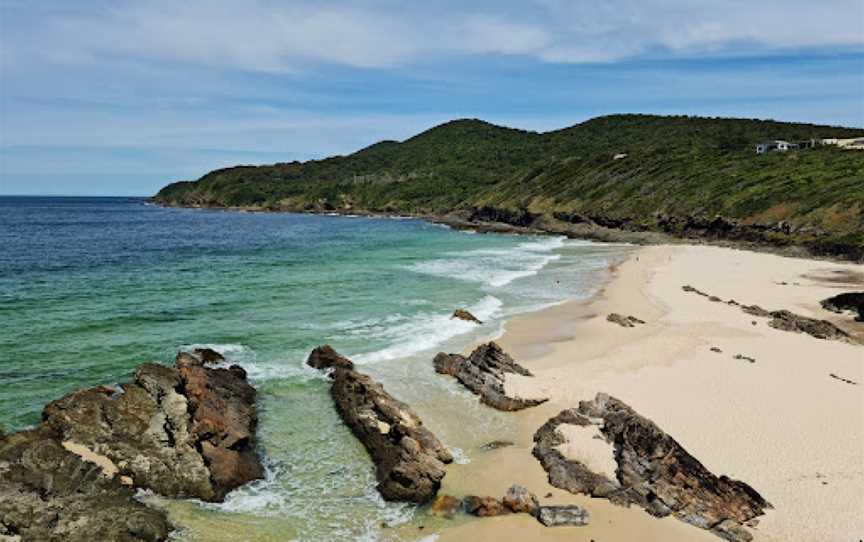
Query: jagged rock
{"x": 850, "y": 301}
{"x": 325, "y": 357}
{"x": 821, "y": 329}
{"x": 557, "y": 516}
{"x": 624, "y": 321}
{"x": 409, "y": 459}
{"x": 187, "y": 431}
{"x": 208, "y": 355}
{"x": 462, "y": 314}
{"x": 483, "y": 373}
{"x": 653, "y": 471}
{"x": 484, "y": 506}
{"x": 446, "y": 506}
{"x": 519, "y": 500}
{"x": 48, "y": 493}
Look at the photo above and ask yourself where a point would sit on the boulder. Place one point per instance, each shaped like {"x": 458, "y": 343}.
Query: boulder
{"x": 208, "y": 355}
{"x": 483, "y": 373}
{"x": 409, "y": 459}
{"x": 653, "y": 471}
{"x": 821, "y": 329}
{"x": 462, "y": 314}
{"x": 519, "y": 500}
{"x": 445, "y": 506}
{"x": 558, "y": 516}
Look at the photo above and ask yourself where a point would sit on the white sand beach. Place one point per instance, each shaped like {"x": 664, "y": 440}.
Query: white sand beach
{"x": 781, "y": 424}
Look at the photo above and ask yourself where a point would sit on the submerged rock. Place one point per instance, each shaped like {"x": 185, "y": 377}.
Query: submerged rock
{"x": 462, "y": 314}
{"x": 186, "y": 431}
{"x": 409, "y": 459}
{"x": 653, "y": 471}
{"x": 558, "y": 516}
{"x": 483, "y": 373}
{"x": 624, "y": 321}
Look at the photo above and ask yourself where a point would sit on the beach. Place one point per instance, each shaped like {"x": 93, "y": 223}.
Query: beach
{"x": 781, "y": 423}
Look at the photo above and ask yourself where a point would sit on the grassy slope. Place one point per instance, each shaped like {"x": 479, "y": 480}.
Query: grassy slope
{"x": 677, "y": 166}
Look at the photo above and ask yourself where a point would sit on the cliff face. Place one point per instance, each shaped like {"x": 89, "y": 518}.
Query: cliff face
{"x": 680, "y": 176}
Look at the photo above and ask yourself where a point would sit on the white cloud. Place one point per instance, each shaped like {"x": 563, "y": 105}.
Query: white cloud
{"x": 269, "y": 36}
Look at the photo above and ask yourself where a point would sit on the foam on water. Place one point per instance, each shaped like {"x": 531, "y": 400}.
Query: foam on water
{"x": 494, "y": 267}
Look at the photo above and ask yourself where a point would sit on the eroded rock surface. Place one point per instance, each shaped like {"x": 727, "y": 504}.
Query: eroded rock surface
{"x": 653, "y": 471}
{"x": 183, "y": 431}
{"x": 558, "y": 516}
{"x": 483, "y": 373}
{"x": 409, "y": 459}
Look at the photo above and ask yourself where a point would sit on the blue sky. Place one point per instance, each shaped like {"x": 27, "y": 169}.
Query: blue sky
{"x": 116, "y": 97}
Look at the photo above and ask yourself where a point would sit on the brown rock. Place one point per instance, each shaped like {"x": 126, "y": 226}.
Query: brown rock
{"x": 445, "y": 506}
{"x": 653, "y": 471}
{"x": 208, "y": 355}
{"x": 558, "y": 516}
{"x": 484, "y": 506}
{"x": 462, "y": 314}
{"x": 483, "y": 373}
{"x": 409, "y": 459}
{"x": 519, "y": 500}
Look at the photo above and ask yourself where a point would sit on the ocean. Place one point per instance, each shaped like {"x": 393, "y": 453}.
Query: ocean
{"x": 92, "y": 287}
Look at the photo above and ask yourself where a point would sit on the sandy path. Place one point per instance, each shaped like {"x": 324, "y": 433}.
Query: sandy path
{"x": 781, "y": 424}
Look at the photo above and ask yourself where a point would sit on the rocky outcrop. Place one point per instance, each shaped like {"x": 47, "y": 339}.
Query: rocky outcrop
{"x": 514, "y": 217}
{"x": 186, "y": 431}
{"x": 785, "y": 320}
{"x": 517, "y": 500}
{"x": 462, "y": 314}
{"x": 653, "y": 471}
{"x": 409, "y": 459}
{"x": 483, "y": 373}
{"x": 850, "y": 301}
{"x": 624, "y": 321}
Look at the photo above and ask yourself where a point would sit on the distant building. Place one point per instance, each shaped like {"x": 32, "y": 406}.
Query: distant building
{"x": 854, "y": 143}
{"x": 777, "y": 145}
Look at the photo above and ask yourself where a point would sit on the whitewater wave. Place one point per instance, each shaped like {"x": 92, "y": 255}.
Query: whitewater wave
{"x": 422, "y": 332}
{"x": 257, "y": 370}
{"x": 494, "y": 267}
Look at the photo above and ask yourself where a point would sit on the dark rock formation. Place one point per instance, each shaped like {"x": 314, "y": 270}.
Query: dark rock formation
{"x": 557, "y": 516}
{"x": 653, "y": 471}
{"x": 624, "y": 321}
{"x": 483, "y": 373}
{"x": 187, "y": 431}
{"x": 409, "y": 459}
{"x": 518, "y": 217}
{"x": 462, "y": 314}
{"x": 745, "y": 358}
{"x": 841, "y": 379}
{"x": 850, "y": 301}
{"x": 495, "y": 445}
{"x": 208, "y": 355}
{"x": 786, "y": 320}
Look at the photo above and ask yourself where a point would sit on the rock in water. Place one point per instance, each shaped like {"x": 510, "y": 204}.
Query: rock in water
{"x": 409, "y": 459}
{"x": 483, "y": 373}
{"x": 462, "y": 314}
{"x": 208, "y": 355}
{"x": 557, "y": 516}
{"x": 653, "y": 471}
{"x": 187, "y": 431}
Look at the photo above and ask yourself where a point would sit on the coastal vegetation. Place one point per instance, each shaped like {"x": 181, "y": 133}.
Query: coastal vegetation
{"x": 636, "y": 172}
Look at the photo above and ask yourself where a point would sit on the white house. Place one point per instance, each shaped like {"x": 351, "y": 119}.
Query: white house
{"x": 777, "y": 145}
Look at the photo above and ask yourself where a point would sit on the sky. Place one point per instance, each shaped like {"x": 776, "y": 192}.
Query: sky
{"x": 122, "y": 97}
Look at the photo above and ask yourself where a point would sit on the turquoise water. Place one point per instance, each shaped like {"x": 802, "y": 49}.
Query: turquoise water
{"x": 91, "y": 287}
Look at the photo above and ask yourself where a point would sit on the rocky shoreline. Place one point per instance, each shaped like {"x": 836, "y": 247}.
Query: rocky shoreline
{"x": 186, "y": 431}
{"x": 776, "y": 237}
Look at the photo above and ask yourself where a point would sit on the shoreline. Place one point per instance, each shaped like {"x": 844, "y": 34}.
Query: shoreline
{"x": 769, "y": 423}
{"x": 588, "y": 230}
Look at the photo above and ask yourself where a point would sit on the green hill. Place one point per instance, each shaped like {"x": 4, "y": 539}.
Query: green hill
{"x": 679, "y": 175}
